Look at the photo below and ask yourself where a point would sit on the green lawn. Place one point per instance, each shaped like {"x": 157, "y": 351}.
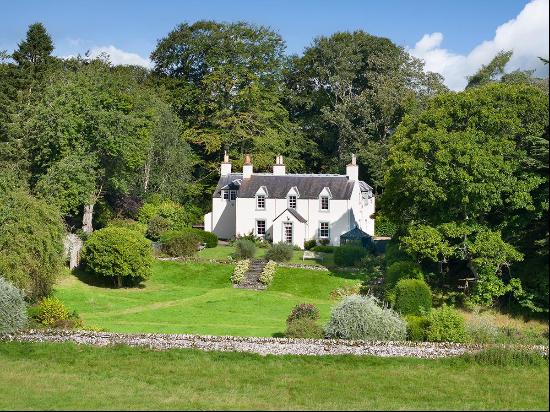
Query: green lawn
{"x": 224, "y": 252}
{"x": 67, "y": 376}
{"x": 198, "y": 298}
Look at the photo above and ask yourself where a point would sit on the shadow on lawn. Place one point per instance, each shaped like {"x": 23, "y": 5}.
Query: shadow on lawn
{"x": 101, "y": 281}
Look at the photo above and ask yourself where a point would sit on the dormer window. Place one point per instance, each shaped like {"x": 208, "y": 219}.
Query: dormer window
{"x": 260, "y": 202}
{"x": 324, "y": 202}
{"x": 292, "y": 202}
{"x": 232, "y": 194}
{"x": 225, "y": 194}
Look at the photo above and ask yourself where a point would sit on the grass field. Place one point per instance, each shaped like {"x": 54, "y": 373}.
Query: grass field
{"x": 198, "y": 298}
{"x": 66, "y": 376}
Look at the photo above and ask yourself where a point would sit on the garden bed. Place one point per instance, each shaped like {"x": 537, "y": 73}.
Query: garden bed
{"x": 262, "y": 346}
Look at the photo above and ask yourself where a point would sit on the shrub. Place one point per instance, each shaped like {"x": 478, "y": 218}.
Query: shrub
{"x": 209, "y": 238}
{"x": 304, "y": 328}
{"x": 129, "y": 224}
{"x": 401, "y": 270}
{"x": 445, "y": 325}
{"x": 280, "y": 252}
{"x": 413, "y": 297}
{"x": 177, "y": 215}
{"x": 50, "y": 311}
{"x": 324, "y": 249}
{"x": 13, "y": 311}
{"x": 157, "y": 226}
{"x": 179, "y": 243}
{"x": 268, "y": 272}
{"x": 302, "y": 311}
{"x": 244, "y": 249}
{"x": 361, "y": 317}
{"x": 395, "y": 254}
{"x": 346, "y": 290}
{"x": 416, "y": 328}
{"x": 384, "y": 227}
{"x": 121, "y": 254}
{"x": 240, "y": 269}
{"x": 310, "y": 244}
{"x": 349, "y": 255}
{"x": 480, "y": 329}
{"x": 324, "y": 242}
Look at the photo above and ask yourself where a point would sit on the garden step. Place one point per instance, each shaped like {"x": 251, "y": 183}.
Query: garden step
{"x": 252, "y": 276}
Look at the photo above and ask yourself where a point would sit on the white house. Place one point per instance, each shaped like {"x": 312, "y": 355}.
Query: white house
{"x": 291, "y": 208}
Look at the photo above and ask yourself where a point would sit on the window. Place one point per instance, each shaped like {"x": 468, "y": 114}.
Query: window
{"x": 260, "y": 227}
{"x": 323, "y": 230}
{"x": 225, "y": 194}
{"x": 232, "y": 194}
{"x": 324, "y": 202}
{"x": 292, "y": 202}
{"x": 260, "y": 202}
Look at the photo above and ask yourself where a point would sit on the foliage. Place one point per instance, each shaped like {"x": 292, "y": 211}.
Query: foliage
{"x": 481, "y": 329}
{"x": 361, "y": 317}
{"x": 166, "y": 213}
{"x": 310, "y": 244}
{"x": 401, "y": 270}
{"x": 468, "y": 186}
{"x": 349, "y": 255}
{"x": 31, "y": 248}
{"x": 209, "y": 238}
{"x": 324, "y": 248}
{"x": 241, "y": 267}
{"x": 178, "y": 243}
{"x": 416, "y": 328}
{"x": 304, "y": 328}
{"x": 383, "y": 226}
{"x": 13, "y": 309}
{"x": 157, "y": 226}
{"x": 445, "y": 325}
{"x": 490, "y": 72}
{"x": 506, "y": 357}
{"x": 268, "y": 272}
{"x": 280, "y": 252}
{"x": 412, "y": 297}
{"x": 129, "y": 224}
{"x": 303, "y": 310}
{"x": 118, "y": 253}
{"x": 50, "y": 311}
{"x": 244, "y": 249}
{"x": 347, "y": 290}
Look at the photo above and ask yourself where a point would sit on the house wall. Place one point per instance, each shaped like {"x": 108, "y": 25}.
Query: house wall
{"x": 223, "y": 218}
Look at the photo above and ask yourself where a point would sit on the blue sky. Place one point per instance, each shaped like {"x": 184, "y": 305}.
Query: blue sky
{"x": 133, "y": 27}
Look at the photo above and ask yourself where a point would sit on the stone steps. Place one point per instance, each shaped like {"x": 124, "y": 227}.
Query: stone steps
{"x": 252, "y": 276}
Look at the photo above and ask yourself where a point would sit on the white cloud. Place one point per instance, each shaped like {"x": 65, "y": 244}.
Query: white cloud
{"x": 120, "y": 57}
{"x": 526, "y": 35}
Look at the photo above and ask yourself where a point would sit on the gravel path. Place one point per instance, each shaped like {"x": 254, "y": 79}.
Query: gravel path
{"x": 262, "y": 346}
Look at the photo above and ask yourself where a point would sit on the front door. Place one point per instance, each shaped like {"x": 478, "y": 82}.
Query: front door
{"x": 287, "y": 232}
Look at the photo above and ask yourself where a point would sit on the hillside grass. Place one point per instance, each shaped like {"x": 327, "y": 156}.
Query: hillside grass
{"x": 67, "y": 376}
{"x": 198, "y": 298}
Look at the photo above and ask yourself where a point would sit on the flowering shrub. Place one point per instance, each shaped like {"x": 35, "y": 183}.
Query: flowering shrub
{"x": 344, "y": 291}
{"x": 303, "y": 310}
{"x": 51, "y": 311}
{"x": 240, "y": 269}
{"x": 268, "y": 272}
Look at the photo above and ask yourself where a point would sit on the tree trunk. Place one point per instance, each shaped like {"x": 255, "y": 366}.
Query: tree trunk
{"x": 87, "y": 218}
{"x": 119, "y": 281}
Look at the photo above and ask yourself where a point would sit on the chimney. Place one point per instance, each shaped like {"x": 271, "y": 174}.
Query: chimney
{"x": 247, "y": 167}
{"x": 225, "y": 168}
{"x": 352, "y": 170}
{"x": 279, "y": 168}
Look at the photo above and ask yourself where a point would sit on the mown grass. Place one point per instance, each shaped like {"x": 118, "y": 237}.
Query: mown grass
{"x": 198, "y": 298}
{"x": 67, "y": 376}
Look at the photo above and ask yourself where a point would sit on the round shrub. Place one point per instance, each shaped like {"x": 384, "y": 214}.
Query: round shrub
{"x": 51, "y": 311}
{"x": 129, "y": 224}
{"x": 118, "y": 253}
{"x": 280, "y": 252}
{"x": 179, "y": 243}
{"x": 13, "y": 311}
{"x": 324, "y": 248}
{"x": 209, "y": 238}
{"x": 445, "y": 325}
{"x": 309, "y": 244}
{"x": 157, "y": 226}
{"x": 416, "y": 328}
{"x": 413, "y": 297}
{"x": 303, "y": 310}
{"x": 361, "y": 317}
{"x": 304, "y": 328}
{"x": 402, "y": 270}
{"x": 244, "y": 249}
{"x": 349, "y": 255}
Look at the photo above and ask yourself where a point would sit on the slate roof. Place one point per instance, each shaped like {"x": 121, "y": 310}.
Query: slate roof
{"x": 294, "y": 213}
{"x": 355, "y": 233}
{"x": 309, "y": 186}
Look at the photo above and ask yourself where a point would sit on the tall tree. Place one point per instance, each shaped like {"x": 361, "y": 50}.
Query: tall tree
{"x": 349, "y": 91}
